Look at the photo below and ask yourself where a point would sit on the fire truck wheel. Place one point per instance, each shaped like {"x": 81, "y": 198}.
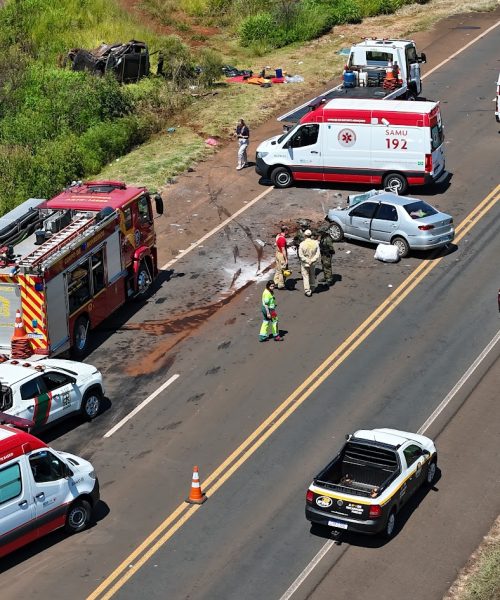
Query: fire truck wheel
{"x": 144, "y": 280}
{"x": 402, "y": 246}
{"x": 281, "y": 177}
{"x": 80, "y": 336}
{"x": 396, "y": 182}
{"x": 91, "y": 403}
{"x": 78, "y": 517}
{"x": 336, "y": 232}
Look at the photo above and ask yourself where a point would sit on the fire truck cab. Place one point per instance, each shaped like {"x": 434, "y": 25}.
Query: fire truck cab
{"x": 67, "y": 263}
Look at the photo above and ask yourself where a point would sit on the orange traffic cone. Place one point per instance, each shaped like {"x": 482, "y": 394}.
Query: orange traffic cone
{"x": 19, "y": 330}
{"x": 196, "y": 496}
{"x": 20, "y": 345}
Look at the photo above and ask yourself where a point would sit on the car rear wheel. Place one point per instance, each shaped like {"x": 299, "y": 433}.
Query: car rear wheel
{"x": 281, "y": 177}
{"x": 91, "y": 403}
{"x": 396, "y": 183}
{"x": 431, "y": 472}
{"x": 390, "y": 525}
{"x": 80, "y": 337}
{"x": 78, "y": 517}
{"x": 402, "y": 246}
{"x": 336, "y": 232}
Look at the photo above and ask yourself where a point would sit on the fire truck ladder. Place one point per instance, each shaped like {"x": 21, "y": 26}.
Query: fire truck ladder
{"x": 58, "y": 241}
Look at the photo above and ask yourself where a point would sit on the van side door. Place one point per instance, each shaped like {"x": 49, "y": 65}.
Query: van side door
{"x": 17, "y": 509}
{"x": 305, "y": 153}
{"x": 50, "y": 490}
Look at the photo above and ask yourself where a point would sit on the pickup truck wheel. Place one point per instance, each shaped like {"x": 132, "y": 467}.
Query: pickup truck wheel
{"x": 91, "y": 403}
{"x": 336, "y": 232}
{"x": 390, "y": 526}
{"x": 78, "y": 516}
{"x": 80, "y": 337}
{"x": 396, "y": 183}
{"x": 402, "y": 246}
{"x": 431, "y": 472}
{"x": 281, "y": 177}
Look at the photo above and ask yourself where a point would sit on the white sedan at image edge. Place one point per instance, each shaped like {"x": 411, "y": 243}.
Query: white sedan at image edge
{"x": 386, "y": 218}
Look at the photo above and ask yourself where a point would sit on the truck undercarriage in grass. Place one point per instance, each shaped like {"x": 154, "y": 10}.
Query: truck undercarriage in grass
{"x": 364, "y": 487}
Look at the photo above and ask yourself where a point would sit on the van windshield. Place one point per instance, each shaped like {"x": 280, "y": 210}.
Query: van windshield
{"x": 437, "y": 136}
{"x": 286, "y": 133}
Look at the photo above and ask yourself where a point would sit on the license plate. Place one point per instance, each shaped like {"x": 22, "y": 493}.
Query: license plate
{"x": 337, "y": 524}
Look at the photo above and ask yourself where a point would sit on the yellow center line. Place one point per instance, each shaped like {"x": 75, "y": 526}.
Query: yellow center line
{"x": 221, "y": 474}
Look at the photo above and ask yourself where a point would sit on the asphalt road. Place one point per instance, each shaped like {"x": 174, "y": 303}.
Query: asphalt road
{"x": 251, "y": 539}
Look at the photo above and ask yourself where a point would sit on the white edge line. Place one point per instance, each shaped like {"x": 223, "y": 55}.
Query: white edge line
{"x": 305, "y": 573}
{"x": 461, "y": 50}
{"x": 461, "y": 382}
{"x": 141, "y": 406}
{"x": 194, "y": 245}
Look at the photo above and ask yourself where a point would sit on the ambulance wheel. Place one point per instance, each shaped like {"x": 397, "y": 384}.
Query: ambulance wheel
{"x": 402, "y": 246}
{"x": 91, "y": 403}
{"x": 144, "y": 280}
{"x": 281, "y": 177}
{"x": 396, "y": 182}
{"x": 390, "y": 524}
{"x": 78, "y": 516}
{"x": 80, "y": 337}
{"x": 336, "y": 232}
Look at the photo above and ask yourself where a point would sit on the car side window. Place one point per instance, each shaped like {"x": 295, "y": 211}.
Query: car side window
{"x": 5, "y": 397}
{"x": 10, "y": 483}
{"x": 45, "y": 467}
{"x": 411, "y": 453}
{"x": 54, "y": 380}
{"x": 387, "y": 212}
{"x": 365, "y": 210}
{"x": 32, "y": 388}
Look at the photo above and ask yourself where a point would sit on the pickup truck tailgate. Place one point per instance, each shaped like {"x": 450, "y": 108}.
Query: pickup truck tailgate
{"x": 339, "y": 505}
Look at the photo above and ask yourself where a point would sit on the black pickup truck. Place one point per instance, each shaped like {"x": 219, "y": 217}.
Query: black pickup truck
{"x": 363, "y": 488}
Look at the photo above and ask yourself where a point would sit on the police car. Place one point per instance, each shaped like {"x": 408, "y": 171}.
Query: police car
{"x": 34, "y": 394}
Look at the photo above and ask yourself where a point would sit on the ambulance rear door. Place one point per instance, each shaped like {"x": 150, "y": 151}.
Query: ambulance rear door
{"x": 10, "y": 302}
{"x": 398, "y": 148}
{"x": 57, "y": 313}
{"x": 347, "y": 152}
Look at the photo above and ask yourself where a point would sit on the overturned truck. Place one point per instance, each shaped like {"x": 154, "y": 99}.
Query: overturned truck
{"x": 129, "y": 62}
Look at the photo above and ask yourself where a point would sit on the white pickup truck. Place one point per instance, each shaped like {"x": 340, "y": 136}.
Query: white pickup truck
{"x": 34, "y": 394}
{"x": 368, "y": 66}
{"x": 497, "y": 101}
{"x": 363, "y": 488}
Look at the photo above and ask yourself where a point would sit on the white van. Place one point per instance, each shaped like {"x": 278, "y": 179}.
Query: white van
{"x": 41, "y": 490}
{"x": 394, "y": 144}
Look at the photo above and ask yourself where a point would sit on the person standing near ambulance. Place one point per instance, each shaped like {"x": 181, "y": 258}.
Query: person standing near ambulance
{"x": 243, "y": 135}
{"x": 309, "y": 254}
{"x": 281, "y": 257}
{"x": 270, "y": 315}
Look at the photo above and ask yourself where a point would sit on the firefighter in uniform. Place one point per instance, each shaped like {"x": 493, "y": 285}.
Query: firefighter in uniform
{"x": 309, "y": 254}
{"x": 281, "y": 257}
{"x": 327, "y": 251}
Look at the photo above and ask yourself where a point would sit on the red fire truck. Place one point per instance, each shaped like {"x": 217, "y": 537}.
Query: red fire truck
{"x": 69, "y": 262}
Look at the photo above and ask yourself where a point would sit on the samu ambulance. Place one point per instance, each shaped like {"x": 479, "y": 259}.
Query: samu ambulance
{"x": 394, "y": 144}
{"x": 41, "y": 490}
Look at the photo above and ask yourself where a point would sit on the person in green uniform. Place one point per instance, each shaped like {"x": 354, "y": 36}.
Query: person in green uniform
{"x": 270, "y": 315}
{"x": 327, "y": 251}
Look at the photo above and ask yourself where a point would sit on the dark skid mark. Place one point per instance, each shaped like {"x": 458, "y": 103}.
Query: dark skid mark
{"x": 467, "y": 27}
{"x": 223, "y": 346}
{"x": 236, "y": 252}
{"x": 235, "y": 277}
{"x": 213, "y": 371}
{"x": 171, "y": 426}
{"x": 231, "y": 320}
{"x": 196, "y": 397}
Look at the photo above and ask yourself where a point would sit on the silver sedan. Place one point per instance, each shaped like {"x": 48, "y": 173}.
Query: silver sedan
{"x": 386, "y": 218}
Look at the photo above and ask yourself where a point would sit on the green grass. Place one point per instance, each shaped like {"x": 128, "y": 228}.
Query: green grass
{"x": 153, "y": 164}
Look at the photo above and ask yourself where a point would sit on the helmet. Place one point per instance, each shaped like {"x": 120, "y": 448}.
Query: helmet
{"x": 286, "y": 272}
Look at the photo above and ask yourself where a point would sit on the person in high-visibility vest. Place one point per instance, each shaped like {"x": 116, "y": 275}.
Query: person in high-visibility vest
{"x": 270, "y": 315}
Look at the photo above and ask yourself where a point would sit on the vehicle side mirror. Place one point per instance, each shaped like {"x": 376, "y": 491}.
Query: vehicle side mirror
{"x": 159, "y": 204}
{"x": 422, "y": 58}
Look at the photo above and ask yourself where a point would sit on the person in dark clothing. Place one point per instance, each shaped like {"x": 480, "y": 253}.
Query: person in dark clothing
{"x": 243, "y": 135}
{"x": 327, "y": 251}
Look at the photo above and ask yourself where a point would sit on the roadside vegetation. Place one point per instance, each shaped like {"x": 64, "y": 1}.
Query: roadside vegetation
{"x": 57, "y": 125}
